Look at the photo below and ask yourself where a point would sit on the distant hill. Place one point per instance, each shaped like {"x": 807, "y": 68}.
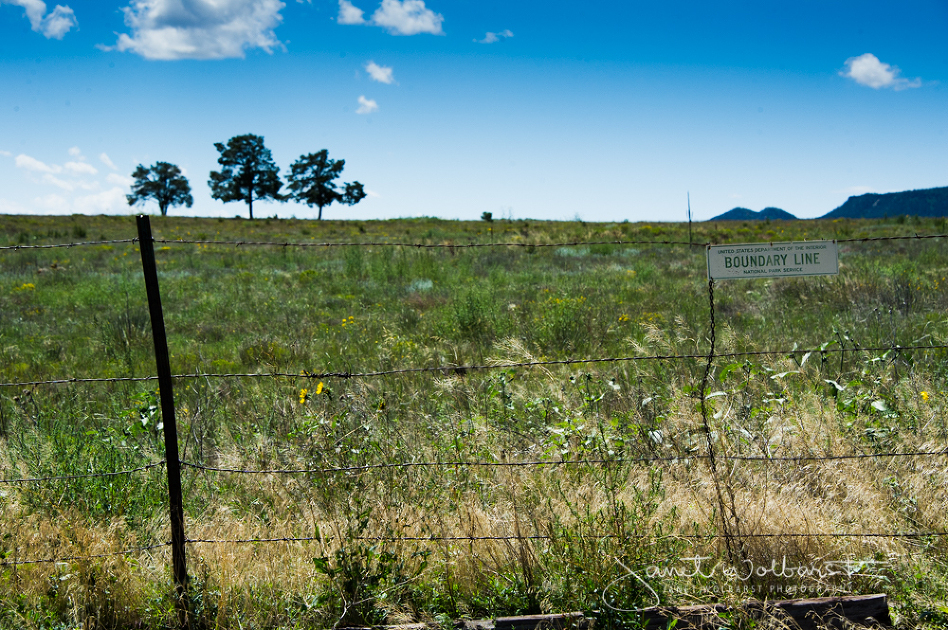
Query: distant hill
{"x": 743, "y": 214}
{"x": 932, "y": 202}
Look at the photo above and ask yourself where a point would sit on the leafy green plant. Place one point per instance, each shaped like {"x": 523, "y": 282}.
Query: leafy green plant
{"x": 366, "y": 582}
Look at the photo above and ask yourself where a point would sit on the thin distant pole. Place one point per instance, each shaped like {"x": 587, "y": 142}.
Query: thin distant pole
{"x": 690, "y": 242}
{"x": 170, "y": 430}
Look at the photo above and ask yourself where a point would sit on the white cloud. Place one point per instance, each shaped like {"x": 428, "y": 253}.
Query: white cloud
{"x": 12, "y": 207}
{"x": 349, "y": 14}
{"x": 490, "y": 38}
{"x": 869, "y": 71}
{"x": 382, "y": 74}
{"x": 399, "y": 17}
{"x": 6, "y": 154}
{"x": 79, "y": 187}
{"x": 32, "y": 164}
{"x": 33, "y": 9}
{"x": 366, "y": 106}
{"x": 372, "y": 193}
{"x": 58, "y": 23}
{"x": 75, "y": 184}
{"x": 111, "y": 201}
{"x": 408, "y": 17}
{"x": 58, "y": 183}
{"x": 52, "y": 173}
{"x": 55, "y": 204}
{"x": 105, "y": 160}
{"x": 80, "y": 168}
{"x": 199, "y": 29}
{"x": 53, "y": 25}
{"x": 119, "y": 180}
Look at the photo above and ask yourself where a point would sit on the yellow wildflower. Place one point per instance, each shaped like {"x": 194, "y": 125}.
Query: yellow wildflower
{"x": 303, "y": 393}
{"x": 924, "y": 396}
{"x": 319, "y": 388}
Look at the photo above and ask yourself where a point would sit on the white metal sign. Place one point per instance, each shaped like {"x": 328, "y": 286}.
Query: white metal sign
{"x": 773, "y": 260}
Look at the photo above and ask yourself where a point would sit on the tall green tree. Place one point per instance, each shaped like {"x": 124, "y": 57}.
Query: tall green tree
{"x": 162, "y": 182}
{"x": 312, "y": 181}
{"x": 248, "y": 172}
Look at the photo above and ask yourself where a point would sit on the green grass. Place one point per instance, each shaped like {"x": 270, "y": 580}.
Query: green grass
{"x": 81, "y": 312}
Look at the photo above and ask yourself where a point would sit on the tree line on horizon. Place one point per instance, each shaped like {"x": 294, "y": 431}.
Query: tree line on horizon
{"x": 248, "y": 173}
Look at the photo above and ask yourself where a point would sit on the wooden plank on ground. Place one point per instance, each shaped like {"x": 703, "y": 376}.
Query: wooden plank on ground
{"x": 802, "y": 614}
{"x": 796, "y": 614}
{"x": 568, "y": 621}
{"x": 565, "y": 621}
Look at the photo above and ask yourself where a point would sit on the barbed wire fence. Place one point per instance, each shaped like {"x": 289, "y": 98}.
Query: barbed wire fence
{"x": 731, "y": 531}
{"x": 448, "y": 369}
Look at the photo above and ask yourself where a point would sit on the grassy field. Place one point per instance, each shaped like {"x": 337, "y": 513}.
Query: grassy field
{"x": 614, "y": 479}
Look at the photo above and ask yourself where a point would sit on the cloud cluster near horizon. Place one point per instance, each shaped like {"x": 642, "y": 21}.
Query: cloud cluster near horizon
{"x": 398, "y": 17}
{"x": 76, "y": 188}
{"x": 53, "y": 25}
{"x": 196, "y": 29}
{"x": 867, "y": 70}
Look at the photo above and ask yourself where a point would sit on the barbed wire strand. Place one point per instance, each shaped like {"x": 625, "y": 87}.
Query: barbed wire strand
{"x": 422, "y": 245}
{"x": 460, "y": 369}
{"x": 165, "y": 241}
{"x": 565, "y": 462}
{"x": 126, "y": 552}
{"x": 87, "y": 476}
{"x": 66, "y": 381}
{"x": 867, "y": 239}
{"x": 670, "y": 536}
{"x": 508, "y": 243}
{"x": 294, "y": 539}
{"x": 67, "y": 245}
{"x": 455, "y": 464}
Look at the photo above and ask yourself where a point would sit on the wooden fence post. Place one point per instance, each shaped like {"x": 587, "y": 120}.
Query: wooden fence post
{"x": 172, "y": 463}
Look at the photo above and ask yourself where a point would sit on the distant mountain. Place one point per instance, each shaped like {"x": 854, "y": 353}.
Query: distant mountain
{"x": 932, "y": 202}
{"x": 743, "y": 214}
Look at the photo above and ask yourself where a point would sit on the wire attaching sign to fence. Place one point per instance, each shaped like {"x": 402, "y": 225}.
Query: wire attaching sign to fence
{"x": 773, "y": 260}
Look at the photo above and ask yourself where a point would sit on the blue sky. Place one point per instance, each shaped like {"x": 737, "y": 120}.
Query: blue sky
{"x": 450, "y": 108}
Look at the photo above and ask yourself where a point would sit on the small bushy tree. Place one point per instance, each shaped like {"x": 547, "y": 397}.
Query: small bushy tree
{"x": 248, "y": 172}
{"x": 312, "y": 181}
{"x": 162, "y": 182}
